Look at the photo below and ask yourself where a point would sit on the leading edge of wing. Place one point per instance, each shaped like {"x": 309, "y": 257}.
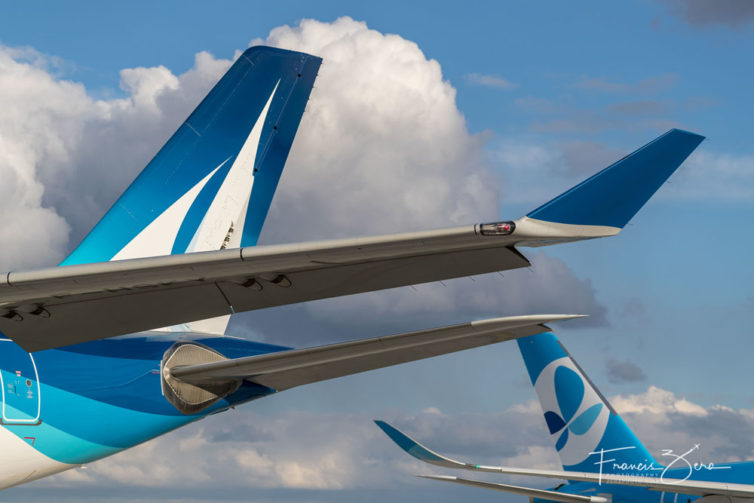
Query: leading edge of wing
{"x": 287, "y": 369}
{"x": 60, "y": 306}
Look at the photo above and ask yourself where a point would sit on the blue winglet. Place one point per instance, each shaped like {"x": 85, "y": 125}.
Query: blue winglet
{"x": 614, "y": 195}
{"x": 408, "y": 444}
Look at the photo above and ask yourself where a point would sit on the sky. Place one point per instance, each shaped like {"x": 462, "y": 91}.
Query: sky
{"x": 424, "y": 115}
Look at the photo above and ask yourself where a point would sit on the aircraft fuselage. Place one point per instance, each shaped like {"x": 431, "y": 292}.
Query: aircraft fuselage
{"x": 65, "y": 407}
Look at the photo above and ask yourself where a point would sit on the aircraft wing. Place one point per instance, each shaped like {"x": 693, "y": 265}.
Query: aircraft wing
{"x": 66, "y": 305}
{"x": 286, "y": 369}
{"x": 524, "y": 491}
{"x": 45, "y": 308}
{"x": 655, "y": 483}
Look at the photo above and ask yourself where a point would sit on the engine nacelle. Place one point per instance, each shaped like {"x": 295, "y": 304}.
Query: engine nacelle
{"x": 190, "y": 398}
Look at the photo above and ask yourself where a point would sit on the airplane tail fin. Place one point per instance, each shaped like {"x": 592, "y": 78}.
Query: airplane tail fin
{"x": 211, "y": 185}
{"x": 588, "y": 433}
{"x": 604, "y": 203}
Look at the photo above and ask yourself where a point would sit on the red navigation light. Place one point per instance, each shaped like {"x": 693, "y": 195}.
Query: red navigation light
{"x": 497, "y": 228}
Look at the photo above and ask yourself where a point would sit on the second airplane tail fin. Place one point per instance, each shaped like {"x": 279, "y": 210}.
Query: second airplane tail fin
{"x": 588, "y": 434}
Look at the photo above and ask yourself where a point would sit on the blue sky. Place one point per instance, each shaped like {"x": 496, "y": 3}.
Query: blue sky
{"x": 545, "y": 95}
{"x": 550, "y": 50}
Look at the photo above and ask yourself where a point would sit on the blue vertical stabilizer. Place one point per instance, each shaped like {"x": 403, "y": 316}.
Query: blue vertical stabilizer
{"x": 211, "y": 185}
{"x": 588, "y": 434}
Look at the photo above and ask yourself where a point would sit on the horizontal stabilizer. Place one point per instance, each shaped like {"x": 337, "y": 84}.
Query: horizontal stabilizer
{"x": 524, "y": 491}
{"x": 614, "y": 195}
{"x": 286, "y": 369}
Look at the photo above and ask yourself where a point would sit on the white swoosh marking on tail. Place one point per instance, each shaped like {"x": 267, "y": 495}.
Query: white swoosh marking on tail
{"x": 230, "y": 202}
{"x": 158, "y": 237}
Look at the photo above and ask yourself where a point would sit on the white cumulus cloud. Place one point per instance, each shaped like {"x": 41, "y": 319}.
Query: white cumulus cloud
{"x": 65, "y": 156}
{"x": 494, "y": 81}
{"x": 334, "y": 452}
{"x": 382, "y": 146}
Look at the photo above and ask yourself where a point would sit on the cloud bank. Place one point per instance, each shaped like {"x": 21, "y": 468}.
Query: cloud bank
{"x": 334, "y": 452}
{"x": 382, "y": 148}
{"x": 66, "y": 156}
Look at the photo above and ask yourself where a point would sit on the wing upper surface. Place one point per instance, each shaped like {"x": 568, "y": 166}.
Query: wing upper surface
{"x": 45, "y": 308}
{"x": 286, "y": 369}
{"x": 67, "y": 305}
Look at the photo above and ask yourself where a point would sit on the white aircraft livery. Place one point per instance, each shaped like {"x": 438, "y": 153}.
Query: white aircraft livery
{"x": 125, "y": 339}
